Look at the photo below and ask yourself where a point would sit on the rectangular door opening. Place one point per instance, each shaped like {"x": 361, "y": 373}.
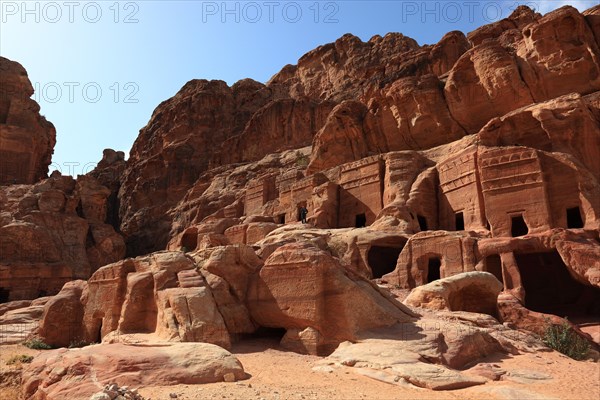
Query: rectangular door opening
{"x": 433, "y": 269}
{"x": 361, "y": 220}
{"x": 574, "y": 220}
{"x": 518, "y": 226}
{"x": 4, "y": 295}
{"x": 459, "y": 221}
{"x": 422, "y": 222}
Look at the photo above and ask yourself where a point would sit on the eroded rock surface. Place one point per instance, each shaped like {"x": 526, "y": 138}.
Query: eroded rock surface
{"x": 79, "y": 373}
{"x": 27, "y": 139}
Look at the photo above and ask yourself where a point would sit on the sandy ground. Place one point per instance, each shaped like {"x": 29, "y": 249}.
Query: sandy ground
{"x": 276, "y": 374}
{"x": 9, "y": 374}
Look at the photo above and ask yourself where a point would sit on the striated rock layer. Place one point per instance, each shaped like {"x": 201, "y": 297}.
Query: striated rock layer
{"x": 51, "y": 233}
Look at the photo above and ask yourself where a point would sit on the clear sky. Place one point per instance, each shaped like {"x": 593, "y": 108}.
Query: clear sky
{"x": 100, "y": 68}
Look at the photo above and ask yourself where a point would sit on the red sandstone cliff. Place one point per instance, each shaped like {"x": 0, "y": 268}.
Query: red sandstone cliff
{"x": 477, "y": 154}
{"x": 27, "y": 139}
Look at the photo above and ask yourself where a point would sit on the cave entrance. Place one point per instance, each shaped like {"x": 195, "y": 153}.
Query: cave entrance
{"x": 433, "y": 269}
{"x": 459, "y": 221}
{"x": 422, "y": 222}
{"x": 518, "y": 226}
{"x": 382, "y": 260}
{"x": 550, "y": 288}
{"x": 574, "y": 220}
{"x": 264, "y": 332}
{"x": 96, "y": 331}
{"x": 493, "y": 265}
{"x": 361, "y": 220}
{"x": 4, "y": 295}
{"x": 189, "y": 241}
{"x": 281, "y": 218}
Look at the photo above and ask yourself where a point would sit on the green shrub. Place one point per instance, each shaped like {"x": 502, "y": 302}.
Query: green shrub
{"x": 562, "y": 338}
{"x": 78, "y": 343}
{"x": 302, "y": 160}
{"x": 19, "y": 359}
{"x": 37, "y": 344}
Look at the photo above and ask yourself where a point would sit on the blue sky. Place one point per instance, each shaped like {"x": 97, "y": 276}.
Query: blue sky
{"x": 100, "y": 68}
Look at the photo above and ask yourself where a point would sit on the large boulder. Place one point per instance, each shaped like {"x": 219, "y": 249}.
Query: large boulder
{"x": 60, "y": 324}
{"x": 469, "y": 291}
{"x": 79, "y": 373}
{"x": 307, "y": 292}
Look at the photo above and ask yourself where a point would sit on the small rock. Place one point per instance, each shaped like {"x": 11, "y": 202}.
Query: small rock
{"x": 173, "y": 395}
{"x": 100, "y": 396}
{"x": 229, "y": 377}
{"x": 323, "y": 368}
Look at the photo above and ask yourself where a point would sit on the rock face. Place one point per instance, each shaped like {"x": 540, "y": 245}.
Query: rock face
{"x": 109, "y": 172}
{"x": 218, "y": 294}
{"x": 79, "y": 373}
{"x": 306, "y": 291}
{"x": 465, "y": 168}
{"x": 27, "y": 139}
{"x": 53, "y": 232}
{"x": 20, "y": 319}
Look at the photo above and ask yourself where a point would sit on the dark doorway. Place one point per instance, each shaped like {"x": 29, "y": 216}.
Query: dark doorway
{"x": 281, "y": 218}
{"x": 518, "y": 226}
{"x": 4, "y": 295}
{"x": 96, "y": 331}
{"x": 433, "y": 269}
{"x": 459, "y": 221}
{"x": 189, "y": 241}
{"x": 422, "y": 222}
{"x": 574, "y": 220}
{"x": 264, "y": 332}
{"x": 382, "y": 260}
{"x": 361, "y": 221}
{"x": 493, "y": 265}
{"x": 550, "y": 288}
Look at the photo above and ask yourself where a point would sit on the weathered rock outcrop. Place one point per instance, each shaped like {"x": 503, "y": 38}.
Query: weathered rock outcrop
{"x": 27, "y": 139}
{"x": 218, "y": 294}
{"x": 79, "y": 373}
{"x": 470, "y": 291}
{"x": 174, "y": 148}
{"x": 463, "y": 168}
{"x": 305, "y": 290}
{"x": 109, "y": 173}
{"x": 352, "y": 69}
{"x": 51, "y": 233}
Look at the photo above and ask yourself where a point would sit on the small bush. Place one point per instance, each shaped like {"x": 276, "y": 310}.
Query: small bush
{"x": 19, "y": 359}
{"x": 302, "y": 160}
{"x": 562, "y": 338}
{"x": 78, "y": 343}
{"x": 37, "y": 344}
